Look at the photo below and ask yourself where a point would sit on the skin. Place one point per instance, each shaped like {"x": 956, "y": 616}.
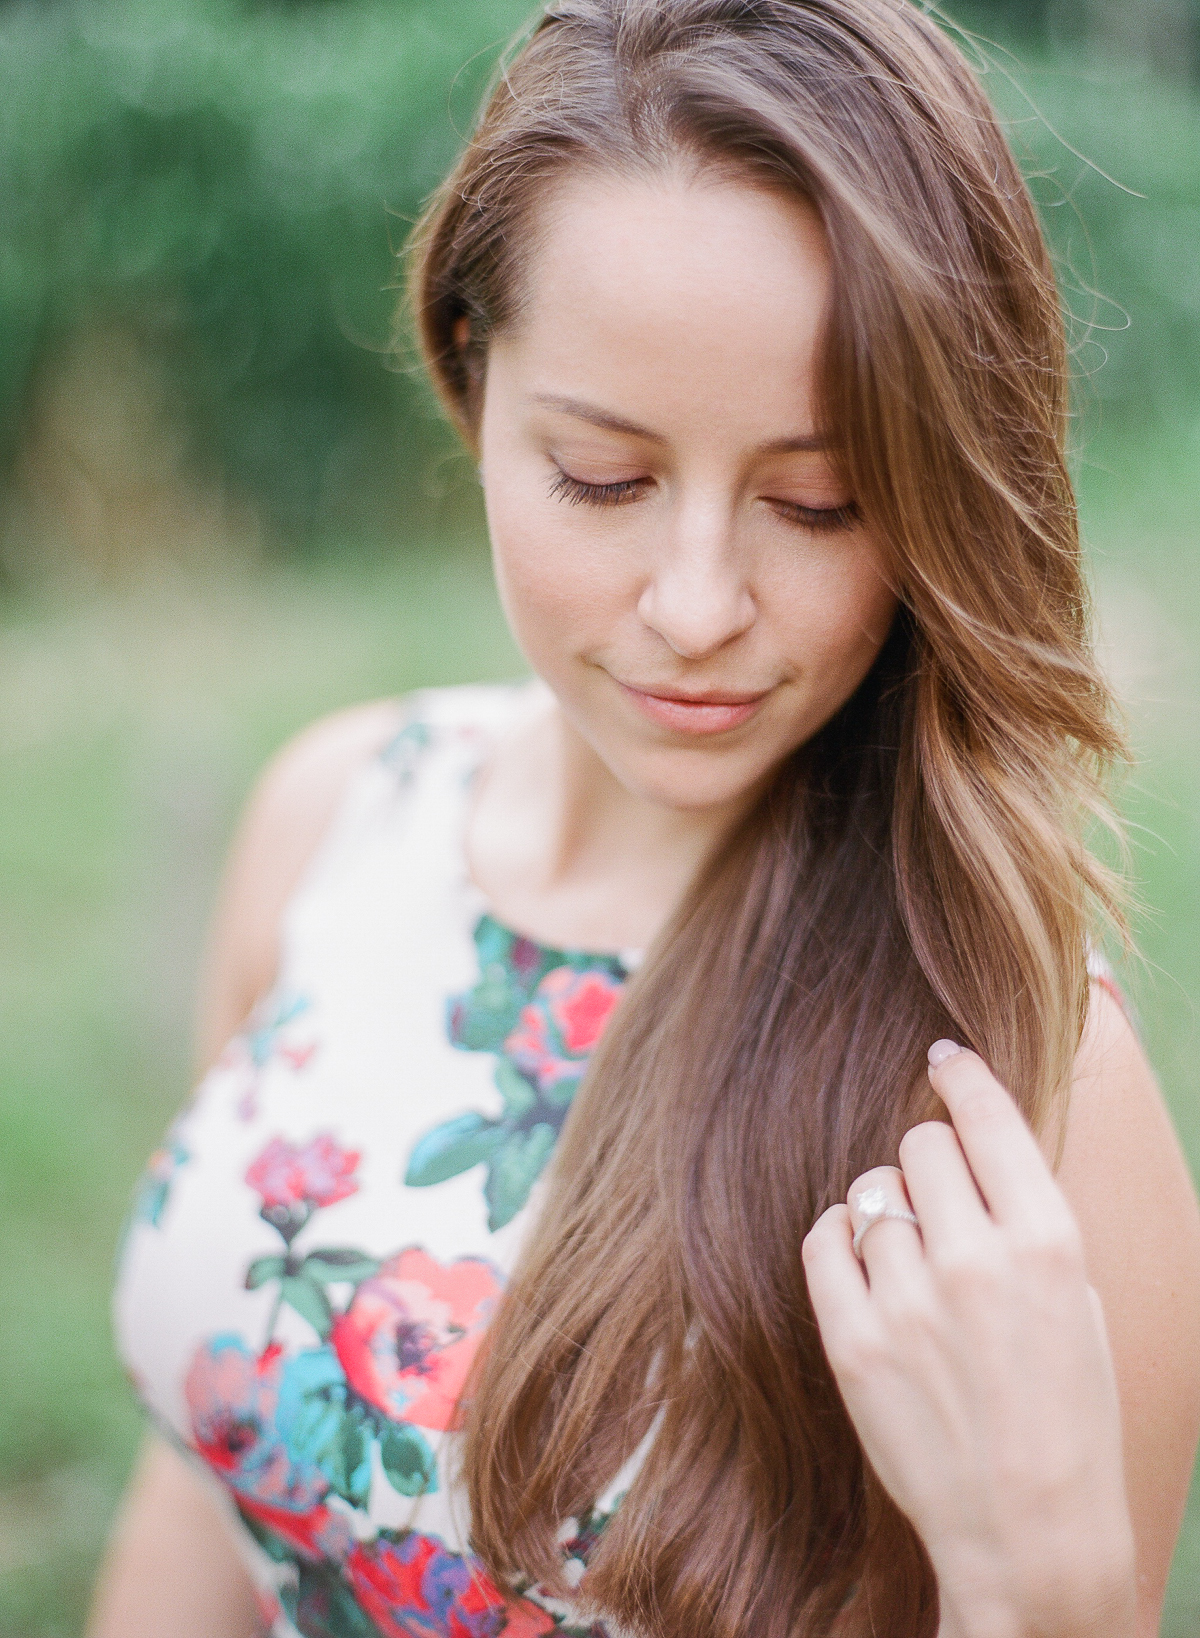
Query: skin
{"x": 973, "y": 1357}
{"x": 1042, "y": 1454}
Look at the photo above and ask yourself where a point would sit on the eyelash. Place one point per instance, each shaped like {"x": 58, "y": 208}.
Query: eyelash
{"x": 577, "y": 493}
{"x": 821, "y": 519}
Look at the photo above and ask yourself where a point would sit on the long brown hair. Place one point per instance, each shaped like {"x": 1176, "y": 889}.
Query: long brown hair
{"x": 916, "y": 869}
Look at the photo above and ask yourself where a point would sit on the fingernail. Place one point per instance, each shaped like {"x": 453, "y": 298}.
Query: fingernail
{"x": 941, "y": 1050}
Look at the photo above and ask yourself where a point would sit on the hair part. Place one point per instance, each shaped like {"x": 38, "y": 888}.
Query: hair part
{"x": 916, "y": 869}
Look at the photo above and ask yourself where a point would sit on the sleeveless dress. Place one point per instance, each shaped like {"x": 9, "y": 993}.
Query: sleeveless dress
{"x": 315, "y": 1251}
{"x": 313, "y": 1254}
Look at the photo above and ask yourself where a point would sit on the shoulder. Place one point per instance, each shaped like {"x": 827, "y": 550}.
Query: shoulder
{"x": 287, "y": 815}
{"x": 1116, "y": 1115}
{"x": 298, "y": 793}
{"x": 1128, "y": 1183}
{"x": 291, "y": 809}
{"x": 300, "y": 788}
{"x": 1122, "y": 1166}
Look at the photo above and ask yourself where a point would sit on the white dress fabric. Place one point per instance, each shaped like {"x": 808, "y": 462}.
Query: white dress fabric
{"x": 315, "y": 1251}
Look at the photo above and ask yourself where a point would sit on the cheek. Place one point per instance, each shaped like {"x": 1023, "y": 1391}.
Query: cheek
{"x": 834, "y": 618}
{"x": 557, "y": 591}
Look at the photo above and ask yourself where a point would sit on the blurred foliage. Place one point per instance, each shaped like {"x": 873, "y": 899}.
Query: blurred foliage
{"x": 1112, "y": 154}
{"x": 230, "y": 183}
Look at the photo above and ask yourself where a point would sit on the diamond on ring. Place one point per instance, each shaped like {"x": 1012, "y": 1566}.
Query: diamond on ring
{"x": 875, "y": 1207}
{"x": 872, "y": 1201}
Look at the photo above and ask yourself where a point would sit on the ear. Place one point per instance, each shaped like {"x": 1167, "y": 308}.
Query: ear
{"x": 461, "y": 333}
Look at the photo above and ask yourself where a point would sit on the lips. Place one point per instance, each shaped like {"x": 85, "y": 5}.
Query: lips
{"x": 712, "y": 711}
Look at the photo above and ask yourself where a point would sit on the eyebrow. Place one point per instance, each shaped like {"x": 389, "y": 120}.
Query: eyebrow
{"x": 801, "y": 443}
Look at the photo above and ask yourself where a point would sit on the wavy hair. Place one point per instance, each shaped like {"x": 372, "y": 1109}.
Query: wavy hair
{"x": 917, "y": 869}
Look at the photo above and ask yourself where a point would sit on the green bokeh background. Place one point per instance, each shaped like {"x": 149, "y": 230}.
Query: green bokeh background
{"x": 222, "y": 513}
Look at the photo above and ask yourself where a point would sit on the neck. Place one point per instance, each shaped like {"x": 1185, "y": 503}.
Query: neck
{"x": 569, "y": 855}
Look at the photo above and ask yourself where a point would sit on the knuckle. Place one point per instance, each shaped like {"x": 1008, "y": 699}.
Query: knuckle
{"x": 1052, "y": 1249}
{"x": 857, "y": 1354}
{"x": 829, "y": 1224}
{"x": 979, "y": 1104}
{"x": 874, "y": 1177}
{"x": 927, "y": 1137}
{"x": 913, "y": 1317}
{"x": 968, "y": 1268}
{"x": 823, "y": 1233}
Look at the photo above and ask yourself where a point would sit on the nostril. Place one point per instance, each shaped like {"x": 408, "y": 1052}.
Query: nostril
{"x": 695, "y": 621}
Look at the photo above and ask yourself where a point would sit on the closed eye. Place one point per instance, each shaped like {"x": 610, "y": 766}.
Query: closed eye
{"x": 820, "y": 519}
{"x": 578, "y": 493}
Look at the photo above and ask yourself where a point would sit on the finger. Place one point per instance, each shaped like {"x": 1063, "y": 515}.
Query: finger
{"x": 888, "y": 1245}
{"x": 837, "y": 1285}
{"x": 941, "y": 1187}
{"x": 1002, "y": 1152}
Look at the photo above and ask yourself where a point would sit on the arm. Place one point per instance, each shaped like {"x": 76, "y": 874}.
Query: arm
{"x": 172, "y": 1569}
{"x": 1128, "y": 1185}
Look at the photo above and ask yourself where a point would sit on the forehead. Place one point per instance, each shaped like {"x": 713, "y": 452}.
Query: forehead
{"x": 677, "y": 295}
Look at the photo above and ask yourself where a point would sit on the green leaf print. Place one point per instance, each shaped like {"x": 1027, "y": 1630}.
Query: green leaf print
{"x": 451, "y": 1148}
{"x": 310, "y": 1302}
{"x": 271, "y": 1544}
{"x": 541, "y": 1012}
{"x": 407, "y": 1460}
{"x": 320, "y": 1604}
{"x": 519, "y": 1097}
{"x": 514, "y": 1171}
{"x": 347, "y": 1459}
{"x": 263, "y": 1269}
{"x": 334, "y": 1263}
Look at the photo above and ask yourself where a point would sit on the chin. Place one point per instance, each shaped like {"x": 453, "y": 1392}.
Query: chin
{"x": 690, "y": 781}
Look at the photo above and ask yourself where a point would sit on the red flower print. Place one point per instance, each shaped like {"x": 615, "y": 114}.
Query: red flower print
{"x": 320, "y": 1173}
{"x": 415, "y": 1588}
{"x": 232, "y": 1397}
{"x": 295, "y": 1180}
{"x": 318, "y": 1534}
{"x": 298, "y": 1057}
{"x": 560, "y": 1026}
{"x": 531, "y": 1049}
{"x": 525, "y": 956}
{"x": 472, "y": 1615}
{"x": 408, "y": 1337}
{"x": 580, "y": 1004}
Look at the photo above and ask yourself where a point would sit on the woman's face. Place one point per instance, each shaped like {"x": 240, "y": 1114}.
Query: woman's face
{"x": 675, "y": 552}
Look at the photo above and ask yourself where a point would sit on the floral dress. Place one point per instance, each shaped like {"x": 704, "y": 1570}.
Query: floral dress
{"x": 314, "y": 1253}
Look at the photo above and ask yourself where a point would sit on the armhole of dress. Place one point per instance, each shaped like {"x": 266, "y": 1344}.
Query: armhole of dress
{"x": 427, "y": 724}
{"x": 1101, "y": 975}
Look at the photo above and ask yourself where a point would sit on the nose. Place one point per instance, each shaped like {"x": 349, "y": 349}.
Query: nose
{"x": 697, "y": 597}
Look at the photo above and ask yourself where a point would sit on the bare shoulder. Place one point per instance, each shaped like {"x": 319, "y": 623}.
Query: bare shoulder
{"x": 1128, "y": 1183}
{"x": 287, "y": 814}
{"x": 1119, "y": 1135}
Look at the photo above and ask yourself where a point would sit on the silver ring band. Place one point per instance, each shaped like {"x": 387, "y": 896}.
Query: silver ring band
{"x": 895, "y": 1214}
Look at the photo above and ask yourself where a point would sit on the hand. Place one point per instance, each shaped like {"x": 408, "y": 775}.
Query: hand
{"x": 972, "y": 1357}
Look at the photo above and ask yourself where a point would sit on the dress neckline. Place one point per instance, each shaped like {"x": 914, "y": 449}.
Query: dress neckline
{"x": 482, "y": 748}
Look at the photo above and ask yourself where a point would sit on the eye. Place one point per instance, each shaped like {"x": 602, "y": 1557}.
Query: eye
{"x": 822, "y": 520}
{"x": 578, "y": 493}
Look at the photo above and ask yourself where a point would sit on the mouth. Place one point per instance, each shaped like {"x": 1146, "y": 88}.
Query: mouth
{"x": 708, "y": 711}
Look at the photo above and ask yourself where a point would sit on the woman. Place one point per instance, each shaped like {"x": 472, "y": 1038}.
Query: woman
{"x": 743, "y": 307}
